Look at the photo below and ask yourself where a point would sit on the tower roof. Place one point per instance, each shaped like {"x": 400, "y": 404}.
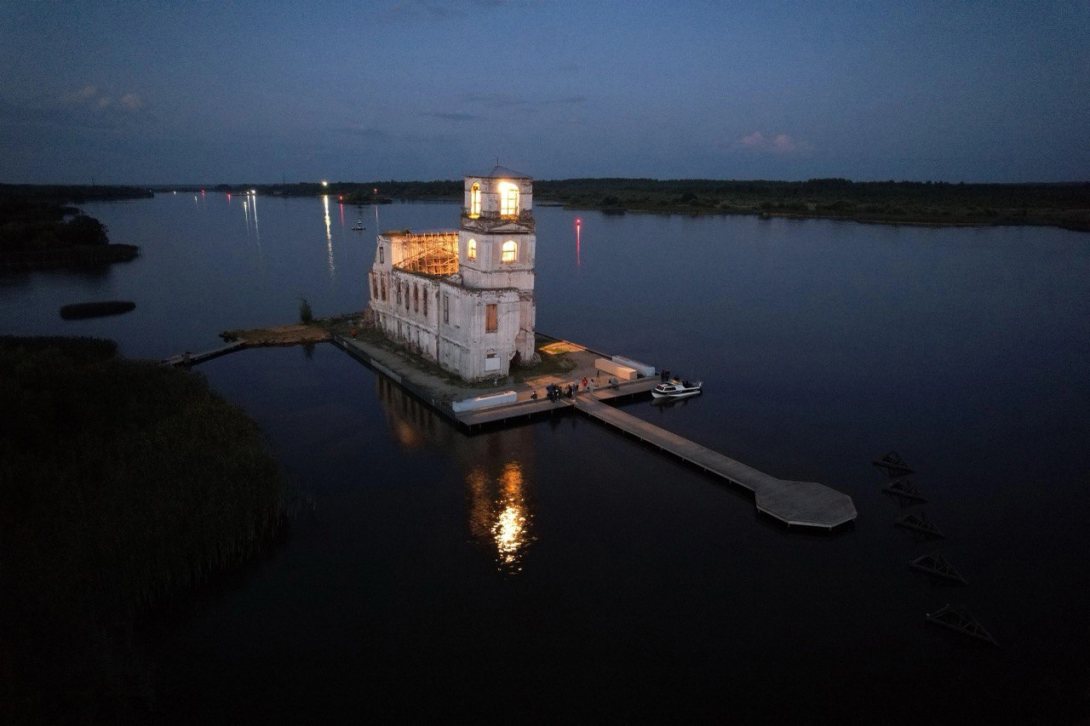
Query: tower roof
{"x": 502, "y": 172}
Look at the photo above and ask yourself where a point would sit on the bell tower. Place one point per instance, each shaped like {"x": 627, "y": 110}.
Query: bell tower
{"x": 497, "y": 244}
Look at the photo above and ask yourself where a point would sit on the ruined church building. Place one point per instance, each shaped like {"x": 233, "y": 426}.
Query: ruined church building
{"x": 465, "y": 298}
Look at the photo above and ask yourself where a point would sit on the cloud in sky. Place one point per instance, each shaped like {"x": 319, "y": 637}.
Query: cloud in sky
{"x": 771, "y": 143}
{"x": 451, "y": 116}
{"x": 508, "y": 100}
{"x": 92, "y": 106}
{"x": 366, "y": 132}
{"x": 132, "y": 102}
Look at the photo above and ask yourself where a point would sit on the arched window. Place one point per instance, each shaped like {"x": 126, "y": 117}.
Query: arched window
{"x": 509, "y": 200}
{"x": 510, "y": 251}
{"x": 471, "y": 249}
{"x": 475, "y": 200}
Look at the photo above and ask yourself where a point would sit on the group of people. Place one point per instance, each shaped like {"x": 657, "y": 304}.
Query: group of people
{"x": 554, "y": 392}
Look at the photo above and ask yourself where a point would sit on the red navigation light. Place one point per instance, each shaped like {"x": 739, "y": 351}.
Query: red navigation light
{"x": 578, "y": 221}
{"x": 340, "y": 197}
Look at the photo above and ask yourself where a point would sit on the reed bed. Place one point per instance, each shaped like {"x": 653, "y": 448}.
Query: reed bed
{"x": 122, "y": 484}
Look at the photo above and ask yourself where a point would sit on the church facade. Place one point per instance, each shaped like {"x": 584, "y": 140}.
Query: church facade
{"x": 464, "y": 298}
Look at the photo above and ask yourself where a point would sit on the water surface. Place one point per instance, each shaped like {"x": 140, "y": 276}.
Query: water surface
{"x": 560, "y": 570}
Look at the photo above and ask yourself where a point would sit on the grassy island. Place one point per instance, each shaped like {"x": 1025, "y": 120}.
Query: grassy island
{"x": 39, "y": 230}
{"x": 123, "y": 484}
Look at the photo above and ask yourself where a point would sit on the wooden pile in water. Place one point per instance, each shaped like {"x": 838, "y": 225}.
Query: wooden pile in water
{"x": 919, "y": 523}
{"x": 937, "y": 565}
{"x": 959, "y": 620}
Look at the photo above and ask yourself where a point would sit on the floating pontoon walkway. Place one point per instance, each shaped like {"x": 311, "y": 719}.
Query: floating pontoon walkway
{"x": 192, "y": 359}
{"x": 795, "y": 503}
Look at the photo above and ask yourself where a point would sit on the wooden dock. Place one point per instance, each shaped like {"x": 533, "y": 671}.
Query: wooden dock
{"x": 191, "y": 359}
{"x": 795, "y": 503}
{"x": 527, "y": 409}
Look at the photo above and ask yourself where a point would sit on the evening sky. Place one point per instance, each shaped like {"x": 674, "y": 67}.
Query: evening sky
{"x": 173, "y": 92}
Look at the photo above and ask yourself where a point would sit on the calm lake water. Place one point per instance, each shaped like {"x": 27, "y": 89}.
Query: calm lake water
{"x": 561, "y": 571}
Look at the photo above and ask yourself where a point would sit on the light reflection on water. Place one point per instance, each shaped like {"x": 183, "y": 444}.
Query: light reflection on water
{"x": 328, "y": 236}
{"x": 499, "y": 510}
{"x": 499, "y": 514}
{"x": 257, "y": 227}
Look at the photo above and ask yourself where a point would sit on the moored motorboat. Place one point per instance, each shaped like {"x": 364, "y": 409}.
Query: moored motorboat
{"x": 677, "y": 388}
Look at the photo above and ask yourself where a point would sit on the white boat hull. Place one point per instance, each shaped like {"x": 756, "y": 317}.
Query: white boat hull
{"x": 676, "y": 390}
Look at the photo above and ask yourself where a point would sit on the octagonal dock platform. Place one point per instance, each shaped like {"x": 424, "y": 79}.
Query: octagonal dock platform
{"x": 795, "y": 503}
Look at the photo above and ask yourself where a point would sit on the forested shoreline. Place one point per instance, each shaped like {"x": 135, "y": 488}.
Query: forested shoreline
{"x": 1065, "y": 205}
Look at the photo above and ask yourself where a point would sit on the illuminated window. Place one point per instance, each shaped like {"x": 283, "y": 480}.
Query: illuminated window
{"x": 509, "y": 200}
{"x": 475, "y": 200}
{"x": 471, "y": 249}
{"x": 490, "y": 321}
{"x": 510, "y": 251}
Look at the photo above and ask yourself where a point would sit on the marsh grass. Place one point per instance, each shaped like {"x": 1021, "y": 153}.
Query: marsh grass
{"x": 122, "y": 484}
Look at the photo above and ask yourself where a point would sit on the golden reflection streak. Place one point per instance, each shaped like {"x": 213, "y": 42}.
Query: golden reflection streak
{"x": 328, "y": 235}
{"x": 511, "y": 530}
{"x": 505, "y": 519}
{"x": 257, "y": 230}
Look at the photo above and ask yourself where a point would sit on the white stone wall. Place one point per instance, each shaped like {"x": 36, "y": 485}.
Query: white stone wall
{"x": 445, "y": 318}
{"x": 409, "y": 313}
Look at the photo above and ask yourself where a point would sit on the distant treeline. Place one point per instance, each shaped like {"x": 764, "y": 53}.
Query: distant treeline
{"x": 942, "y": 203}
{"x": 74, "y": 194}
{"x": 939, "y": 203}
